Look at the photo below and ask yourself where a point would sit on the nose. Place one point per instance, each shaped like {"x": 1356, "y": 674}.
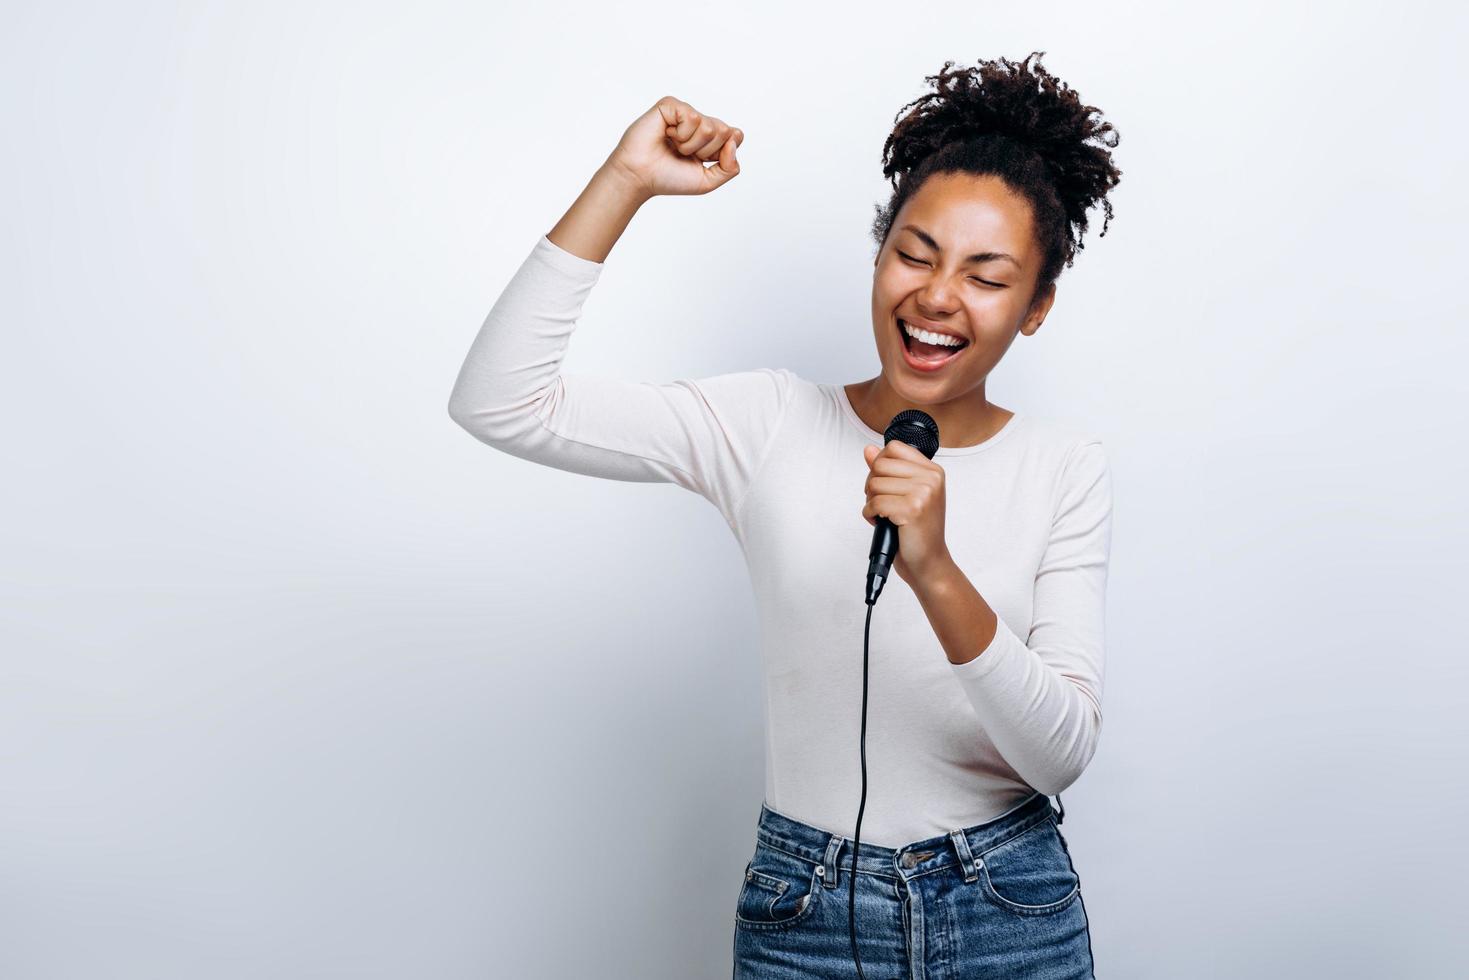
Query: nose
{"x": 935, "y": 300}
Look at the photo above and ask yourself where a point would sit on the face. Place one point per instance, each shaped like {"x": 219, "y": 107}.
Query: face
{"x": 924, "y": 276}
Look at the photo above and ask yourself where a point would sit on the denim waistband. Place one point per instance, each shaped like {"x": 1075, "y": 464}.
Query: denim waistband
{"x": 956, "y": 849}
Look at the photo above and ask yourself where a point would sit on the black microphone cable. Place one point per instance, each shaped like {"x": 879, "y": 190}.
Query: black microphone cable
{"x": 857, "y": 838}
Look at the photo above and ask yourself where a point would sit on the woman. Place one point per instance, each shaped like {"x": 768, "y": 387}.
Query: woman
{"x": 987, "y": 663}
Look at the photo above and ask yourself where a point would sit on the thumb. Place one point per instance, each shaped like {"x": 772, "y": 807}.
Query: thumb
{"x": 869, "y": 453}
{"x": 725, "y": 165}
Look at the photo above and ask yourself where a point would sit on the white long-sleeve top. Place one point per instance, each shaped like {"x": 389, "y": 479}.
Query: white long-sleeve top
{"x": 1028, "y": 521}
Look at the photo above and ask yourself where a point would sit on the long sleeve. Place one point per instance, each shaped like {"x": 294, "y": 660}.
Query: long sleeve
{"x": 708, "y": 435}
{"x": 1040, "y": 700}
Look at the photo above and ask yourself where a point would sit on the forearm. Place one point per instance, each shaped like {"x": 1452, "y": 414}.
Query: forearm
{"x": 599, "y": 215}
{"x": 964, "y": 623}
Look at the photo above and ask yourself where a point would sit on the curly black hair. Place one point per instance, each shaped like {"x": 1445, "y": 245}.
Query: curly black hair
{"x": 1017, "y": 122}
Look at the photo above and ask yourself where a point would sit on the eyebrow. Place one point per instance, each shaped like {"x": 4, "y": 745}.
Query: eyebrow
{"x": 976, "y": 257}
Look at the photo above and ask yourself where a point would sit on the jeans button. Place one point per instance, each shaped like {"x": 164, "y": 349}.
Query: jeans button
{"x": 909, "y": 861}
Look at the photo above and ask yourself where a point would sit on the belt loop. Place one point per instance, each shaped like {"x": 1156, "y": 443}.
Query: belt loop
{"x": 966, "y": 860}
{"x": 829, "y": 864}
{"x": 1063, "y": 808}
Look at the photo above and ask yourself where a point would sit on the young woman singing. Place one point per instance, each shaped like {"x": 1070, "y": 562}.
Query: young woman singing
{"x": 987, "y": 662}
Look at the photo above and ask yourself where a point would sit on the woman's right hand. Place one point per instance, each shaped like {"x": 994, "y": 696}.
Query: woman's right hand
{"x": 661, "y": 152}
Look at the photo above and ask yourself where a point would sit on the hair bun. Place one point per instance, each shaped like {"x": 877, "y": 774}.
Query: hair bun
{"x": 1017, "y": 121}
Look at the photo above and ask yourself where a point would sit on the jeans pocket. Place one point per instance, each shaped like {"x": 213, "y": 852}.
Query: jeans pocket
{"x": 1030, "y": 874}
{"x": 779, "y": 890}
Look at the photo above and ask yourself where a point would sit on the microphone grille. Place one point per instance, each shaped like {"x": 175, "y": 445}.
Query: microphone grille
{"x": 916, "y": 428}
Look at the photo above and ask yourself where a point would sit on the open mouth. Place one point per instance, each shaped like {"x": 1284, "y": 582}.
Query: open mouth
{"x": 927, "y": 357}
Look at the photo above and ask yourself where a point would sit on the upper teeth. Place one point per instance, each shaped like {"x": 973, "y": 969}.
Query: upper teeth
{"x": 928, "y": 337}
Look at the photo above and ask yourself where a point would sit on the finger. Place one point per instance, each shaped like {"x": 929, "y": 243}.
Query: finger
{"x": 725, "y": 166}
{"x": 887, "y": 465}
{"x": 888, "y": 484}
{"x": 711, "y": 149}
{"x": 702, "y": 144}
{"x": 900, "y": 448}
{"x": 701, "y": 133}
{"x": 674, "y": 112}
{"x": 685, "y": 119}
{"x": 887, "y": 505}
{"x": 730, "y": 146}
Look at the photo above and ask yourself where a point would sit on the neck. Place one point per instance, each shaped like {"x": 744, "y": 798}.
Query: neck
{"x": 964, "y": 421}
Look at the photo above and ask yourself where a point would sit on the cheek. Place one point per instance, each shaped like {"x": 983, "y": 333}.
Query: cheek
{"x": 887, "y": 289}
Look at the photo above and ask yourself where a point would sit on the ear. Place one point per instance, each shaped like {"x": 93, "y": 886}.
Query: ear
{"x": 1038, "y": 310}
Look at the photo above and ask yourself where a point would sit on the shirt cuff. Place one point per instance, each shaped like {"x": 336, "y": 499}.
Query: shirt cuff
{"x": 565, "y": 262}
{"x": 1001, "y": 648}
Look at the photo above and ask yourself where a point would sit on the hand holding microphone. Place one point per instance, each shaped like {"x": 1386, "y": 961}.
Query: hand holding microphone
{"x": 905, "y": 488}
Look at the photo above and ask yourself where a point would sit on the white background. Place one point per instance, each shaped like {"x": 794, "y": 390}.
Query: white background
{"x": 300, "y": 680}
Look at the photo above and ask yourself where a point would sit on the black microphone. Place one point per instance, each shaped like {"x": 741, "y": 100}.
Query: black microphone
{"x": 919, "y": 430}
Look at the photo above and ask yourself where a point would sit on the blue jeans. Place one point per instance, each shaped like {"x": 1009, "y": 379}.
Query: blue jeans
{"x": 999, "y": 899}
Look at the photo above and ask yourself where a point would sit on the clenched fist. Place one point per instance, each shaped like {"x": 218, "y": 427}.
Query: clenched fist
{"x": 662, "y": 151}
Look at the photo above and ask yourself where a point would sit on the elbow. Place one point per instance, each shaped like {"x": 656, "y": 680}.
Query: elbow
{"x": 1055, "y": 781}
{"x": 485, "y": 425}
{"x": 466, "y": 418}
{"x": 1071, "y": 762}
{"x": 1054, "y": 784}
{"x": 458, "y": 411}
{"x": 499, "y": 423}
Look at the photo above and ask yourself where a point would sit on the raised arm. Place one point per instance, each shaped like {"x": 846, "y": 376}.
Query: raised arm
{"x": 707, "y": 435}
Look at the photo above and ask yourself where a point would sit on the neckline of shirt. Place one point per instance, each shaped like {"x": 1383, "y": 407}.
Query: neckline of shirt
{"x": 839, "y": 392}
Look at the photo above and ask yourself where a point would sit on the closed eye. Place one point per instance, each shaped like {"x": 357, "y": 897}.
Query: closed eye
{"x": 997, "y": 285}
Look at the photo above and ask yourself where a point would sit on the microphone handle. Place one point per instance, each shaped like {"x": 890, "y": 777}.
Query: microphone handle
{"x": 880, "y": 557}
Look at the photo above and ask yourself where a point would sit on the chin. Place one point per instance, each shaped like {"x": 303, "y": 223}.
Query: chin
{"x": 919, "y": 391}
